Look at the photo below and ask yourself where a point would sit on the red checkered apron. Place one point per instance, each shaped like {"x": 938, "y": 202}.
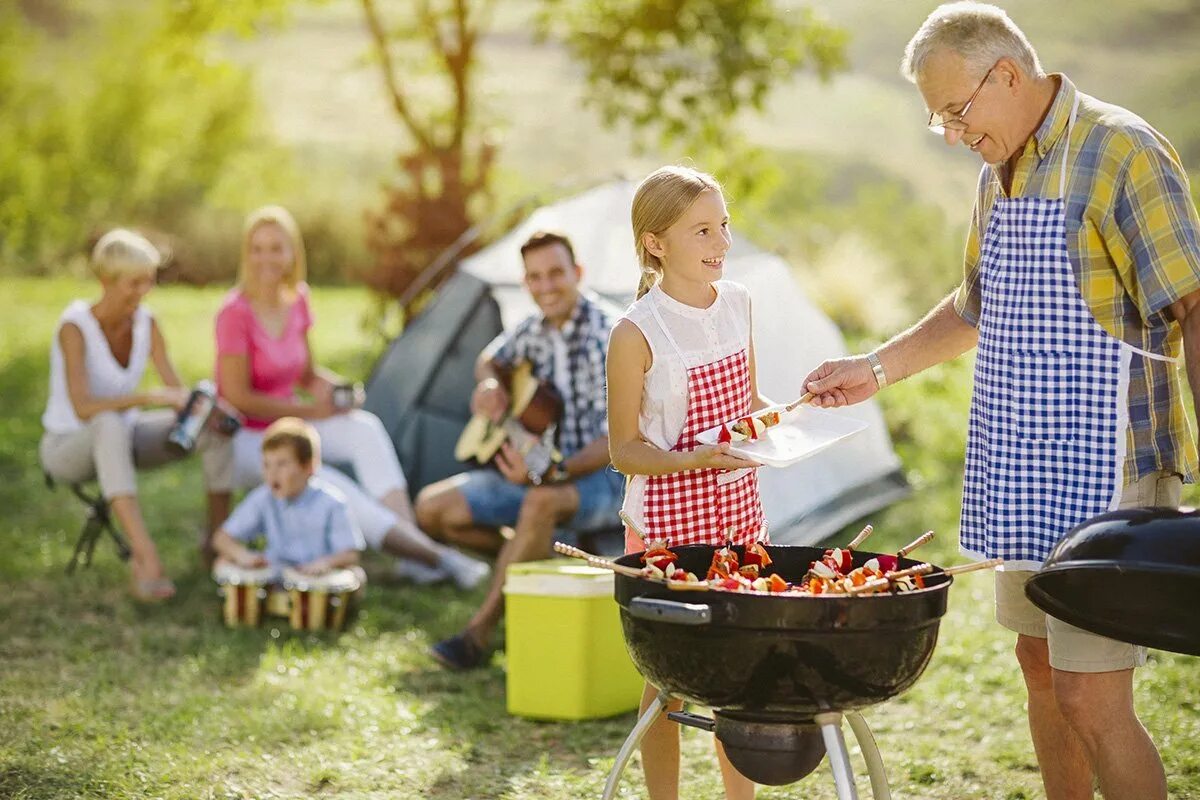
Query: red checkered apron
{"x": 705, "y": 506}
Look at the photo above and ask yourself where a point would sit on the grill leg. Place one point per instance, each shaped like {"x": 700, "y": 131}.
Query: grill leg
{"x": 866, "y": 743}
{"x": 839, "y": 759}
{"x": 631, "y": 743}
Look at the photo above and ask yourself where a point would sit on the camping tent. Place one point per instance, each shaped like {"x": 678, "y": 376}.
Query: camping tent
{"x": 421, "y": 386}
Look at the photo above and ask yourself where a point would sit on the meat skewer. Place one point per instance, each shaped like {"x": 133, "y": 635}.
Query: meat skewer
{"x": 632, "y": 572}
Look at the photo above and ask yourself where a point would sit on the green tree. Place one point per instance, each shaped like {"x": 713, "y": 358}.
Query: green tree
{"x": 132, "y": 117}
{"x": 677, "y": 71}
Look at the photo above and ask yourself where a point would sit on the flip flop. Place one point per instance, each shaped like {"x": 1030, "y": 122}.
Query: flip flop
{"x": 152, "y": 590}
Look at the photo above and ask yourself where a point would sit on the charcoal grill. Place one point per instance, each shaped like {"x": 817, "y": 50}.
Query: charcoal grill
{"x": 779, "y": 671}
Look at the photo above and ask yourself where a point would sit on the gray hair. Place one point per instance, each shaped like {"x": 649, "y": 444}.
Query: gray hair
{"x": 981, "y": 33}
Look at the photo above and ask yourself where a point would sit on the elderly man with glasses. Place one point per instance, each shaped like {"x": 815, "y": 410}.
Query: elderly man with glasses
{"x": 1081, "y": 290}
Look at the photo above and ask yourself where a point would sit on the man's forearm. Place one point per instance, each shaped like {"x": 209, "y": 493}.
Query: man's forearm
{"x": 940, "y": 336}
{"x": 1191, "y": 352}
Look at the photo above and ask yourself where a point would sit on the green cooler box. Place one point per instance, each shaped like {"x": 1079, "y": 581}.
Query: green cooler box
{"x": 566, "y": 655}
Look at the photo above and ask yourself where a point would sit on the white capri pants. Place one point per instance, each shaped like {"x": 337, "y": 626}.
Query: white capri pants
{"x": 110, "y": 449}
{"x": 356, "y": 438}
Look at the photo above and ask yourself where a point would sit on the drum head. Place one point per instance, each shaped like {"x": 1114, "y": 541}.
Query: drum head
{"x": 334, "y": 582}
{"x": 227, "y": 573}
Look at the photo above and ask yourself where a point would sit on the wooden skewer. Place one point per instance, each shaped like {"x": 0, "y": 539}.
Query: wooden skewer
{"x": 862, "y": 537}
{"x": 919, "y": 569}
{"x": 804, "y": 398}
{"x": 991, "y": 563}
{"x": 914, "y": 544}
{"x": 925, "y": 569}
{"x": 633, "y": 526}
{"x": 632, "y": 572}
{"x": 597, "y": 561}
{"x": 869, "y": 586}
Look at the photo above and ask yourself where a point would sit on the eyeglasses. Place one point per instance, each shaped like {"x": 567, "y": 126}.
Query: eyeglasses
{"x": 939, "y": 123}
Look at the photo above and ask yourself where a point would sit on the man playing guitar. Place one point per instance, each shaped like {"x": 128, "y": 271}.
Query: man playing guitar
{"x": 564, "y": 344}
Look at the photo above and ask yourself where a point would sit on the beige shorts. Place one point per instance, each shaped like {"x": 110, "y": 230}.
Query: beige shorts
{"x": 1074, "y": 649}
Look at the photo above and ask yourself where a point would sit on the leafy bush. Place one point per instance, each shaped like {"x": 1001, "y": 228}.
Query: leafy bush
{"x": 128, "y": 120}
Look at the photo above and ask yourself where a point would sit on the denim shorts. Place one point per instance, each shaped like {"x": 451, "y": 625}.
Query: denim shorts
{"x": 495, "y": 501}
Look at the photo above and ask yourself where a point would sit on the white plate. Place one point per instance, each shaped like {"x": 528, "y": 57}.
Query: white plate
{"x": 801, "y": 433}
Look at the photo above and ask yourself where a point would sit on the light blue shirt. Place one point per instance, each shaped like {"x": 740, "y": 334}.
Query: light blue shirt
{"x": 299, "y": 530}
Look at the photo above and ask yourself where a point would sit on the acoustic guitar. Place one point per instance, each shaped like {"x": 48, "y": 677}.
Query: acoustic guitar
{"x": 533, "y": 413}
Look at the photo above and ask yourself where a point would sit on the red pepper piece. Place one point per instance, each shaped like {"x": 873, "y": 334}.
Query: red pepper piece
{"x": 887, "y": 563}
{"x": 724, "y": 437}
{"x": 659, "y": 554}
{"x": 757, "y": 554}
{"x": 778, "y": 584}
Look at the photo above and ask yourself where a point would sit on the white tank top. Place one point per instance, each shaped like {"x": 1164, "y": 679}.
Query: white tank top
{"x": 106, "y": 376}
{"x": 702, "y": 335}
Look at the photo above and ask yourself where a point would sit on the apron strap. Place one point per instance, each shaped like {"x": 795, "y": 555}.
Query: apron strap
{"x": 662, "y": 324}
{"x": 1148, "y": 354}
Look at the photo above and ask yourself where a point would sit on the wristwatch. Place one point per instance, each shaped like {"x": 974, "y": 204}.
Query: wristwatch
{"x": 877, "y": 368}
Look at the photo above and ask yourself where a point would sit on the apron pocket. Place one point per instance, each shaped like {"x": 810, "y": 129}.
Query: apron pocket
{"x": 733, "y": 476}
{"x": 1047, "y": 394}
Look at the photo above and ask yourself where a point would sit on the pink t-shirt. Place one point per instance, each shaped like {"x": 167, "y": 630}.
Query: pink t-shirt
{"x": 276, "y": 364}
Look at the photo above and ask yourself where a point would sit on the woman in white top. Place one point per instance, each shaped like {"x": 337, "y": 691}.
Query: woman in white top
{"x": 94, "y": 423}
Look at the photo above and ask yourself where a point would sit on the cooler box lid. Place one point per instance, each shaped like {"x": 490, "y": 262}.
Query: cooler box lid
{"x": 558, "y": 577}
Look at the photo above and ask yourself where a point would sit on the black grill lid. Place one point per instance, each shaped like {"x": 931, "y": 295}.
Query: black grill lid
{"x": 1131, "y": 575}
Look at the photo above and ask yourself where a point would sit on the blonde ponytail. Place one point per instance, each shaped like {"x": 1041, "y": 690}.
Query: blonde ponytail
{"x": 660, "y": 200}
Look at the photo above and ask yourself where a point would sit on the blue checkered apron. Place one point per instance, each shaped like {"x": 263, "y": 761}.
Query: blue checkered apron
{"x": 1046, "y": 438}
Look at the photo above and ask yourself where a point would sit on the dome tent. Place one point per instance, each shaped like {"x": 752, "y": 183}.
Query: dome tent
{"x": 421, "y": 386}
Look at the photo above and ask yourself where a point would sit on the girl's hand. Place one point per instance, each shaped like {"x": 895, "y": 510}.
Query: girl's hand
{"x": 717, "y": 456}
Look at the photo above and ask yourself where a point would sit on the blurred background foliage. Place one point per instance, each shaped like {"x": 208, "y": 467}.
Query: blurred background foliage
{"x": 178, "y": 116}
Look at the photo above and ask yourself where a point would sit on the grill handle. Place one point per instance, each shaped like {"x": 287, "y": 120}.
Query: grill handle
{"x": 672, "y": 611}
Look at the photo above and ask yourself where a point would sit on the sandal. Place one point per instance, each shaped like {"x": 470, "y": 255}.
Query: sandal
{"x": 459, "y": 652}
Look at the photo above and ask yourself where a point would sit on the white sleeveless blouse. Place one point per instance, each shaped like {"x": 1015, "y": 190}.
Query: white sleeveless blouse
{"x": 106, "y": 376}
{"x": 704, "y": 335}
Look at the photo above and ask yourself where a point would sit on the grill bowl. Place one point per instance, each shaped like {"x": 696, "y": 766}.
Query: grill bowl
{"x": 772, "y": 655}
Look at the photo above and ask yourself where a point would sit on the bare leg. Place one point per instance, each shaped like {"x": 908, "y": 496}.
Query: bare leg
{"x": 660, "y": 751}
{"x": 407, "y": 541}
{"x": 218, "y": 511}
{"x": 444, "y": 514}
{"x": 737, "y": 785}
{"x": 1098, "y": 706}
{"x": 544, "y": 507}
{"x": 144, "y": 564}
{"x": 1066, "y": 773}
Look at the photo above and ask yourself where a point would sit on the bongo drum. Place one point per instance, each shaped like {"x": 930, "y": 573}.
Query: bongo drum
{"x": 319, "y": 602}
{"x": 244, "y": 592}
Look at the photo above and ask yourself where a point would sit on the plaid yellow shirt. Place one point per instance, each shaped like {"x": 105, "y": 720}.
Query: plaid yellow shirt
{"x": 1134, "y": 242}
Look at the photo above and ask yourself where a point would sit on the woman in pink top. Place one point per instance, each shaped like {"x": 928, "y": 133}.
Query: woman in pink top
{"x": 264, "y": 361}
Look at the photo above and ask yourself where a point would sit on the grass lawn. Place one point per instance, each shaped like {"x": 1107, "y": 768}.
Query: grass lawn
{"x": 103, "y": 698}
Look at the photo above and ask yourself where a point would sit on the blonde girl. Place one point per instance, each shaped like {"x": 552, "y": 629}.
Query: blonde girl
{"x": 680, "y": 361}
